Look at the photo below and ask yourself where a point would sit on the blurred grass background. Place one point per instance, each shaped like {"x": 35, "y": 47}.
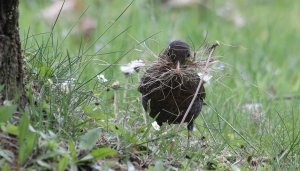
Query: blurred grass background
{"x": 263, "y": 51}
{"x": 254, "y": 101}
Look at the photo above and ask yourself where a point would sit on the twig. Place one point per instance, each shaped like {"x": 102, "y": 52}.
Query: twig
{"x": 211, "y": 50}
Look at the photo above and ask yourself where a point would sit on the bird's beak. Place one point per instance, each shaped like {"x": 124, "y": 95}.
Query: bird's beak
{"x": 178, "y": 67}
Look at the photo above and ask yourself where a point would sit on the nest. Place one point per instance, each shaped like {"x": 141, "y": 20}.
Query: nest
{"x": 163, "y": 74}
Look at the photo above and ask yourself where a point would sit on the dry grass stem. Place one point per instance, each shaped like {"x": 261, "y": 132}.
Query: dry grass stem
{"x": 200, "y": 82}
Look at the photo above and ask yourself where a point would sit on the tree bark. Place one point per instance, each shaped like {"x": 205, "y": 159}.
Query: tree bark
{"x": 11, "y": 60}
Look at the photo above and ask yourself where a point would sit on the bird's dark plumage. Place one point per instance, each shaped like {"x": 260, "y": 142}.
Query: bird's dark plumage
{"x": 169, "y": 85}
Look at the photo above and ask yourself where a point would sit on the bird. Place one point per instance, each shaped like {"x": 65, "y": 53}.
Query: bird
{"x": 168, "y": 86}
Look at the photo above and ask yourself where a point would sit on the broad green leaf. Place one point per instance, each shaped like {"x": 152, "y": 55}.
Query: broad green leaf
{"x": 127, "y": 135}
{"x": 1, "y": 87}
{"x": 31, "y": 142}
{"x": 94, "y": 113}
{"x": 103, "y": 152}
{"x": 63, "y": 163}
{"x": 116, "y": 129}
{"x": 22, "y": 153}
{"x": 26, "y": 148}
{"x": 89, "y": 139}
{"x": 44, "y": 164}
{"x": 27, "y": 140}
{"x": 72, "y": 149}
{"x": 51, "y": 144}
{"x": 99, "y": 153}
{"x": 11, "y": 129}
{"x": 87, "y": 158}
{"x": 6, "y": 112}
{"x": 23, "y": 128}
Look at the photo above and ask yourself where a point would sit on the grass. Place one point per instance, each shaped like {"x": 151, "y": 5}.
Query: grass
{"x": 70, "y": 122}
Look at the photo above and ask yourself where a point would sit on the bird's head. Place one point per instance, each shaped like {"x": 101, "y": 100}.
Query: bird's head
{"x": 178, "y": 52}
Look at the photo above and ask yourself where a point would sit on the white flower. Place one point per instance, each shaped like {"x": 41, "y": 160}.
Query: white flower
{"x": 102, "y": 78}
{"x": 66, "y": 86}
{"x": 127, "y": 69}
{"x": 132, "y": 66}
{"x": 205, "y": 77}
{"x": 155, "y": 126}
{"x": 137, "y": 63}
{"x": 255, "y": 111}
{"x": 253, "y": 107}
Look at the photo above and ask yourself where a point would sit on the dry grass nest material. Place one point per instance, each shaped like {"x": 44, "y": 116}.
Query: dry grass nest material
{"x": 165, "y": 73}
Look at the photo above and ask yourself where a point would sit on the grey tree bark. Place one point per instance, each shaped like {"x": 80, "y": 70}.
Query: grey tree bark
{"x": 11, "y": 60}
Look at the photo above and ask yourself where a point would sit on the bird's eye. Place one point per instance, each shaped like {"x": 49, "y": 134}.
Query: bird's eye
{"x": 188, "y": 55}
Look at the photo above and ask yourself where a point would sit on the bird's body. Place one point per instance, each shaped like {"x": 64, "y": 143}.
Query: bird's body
{"x": 169, "y": 85}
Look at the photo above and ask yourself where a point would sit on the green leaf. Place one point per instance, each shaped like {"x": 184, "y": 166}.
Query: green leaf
{"x": 103, "y": 152}
{"x": 44, "y": 164}
{"x": 11, "y": 129}
{"x": 46, "y": 71}
{"x": 91, "y": 112}
{"x": 26, "y": 148}
{"x": 1, "y": 87}
{"x": 22, "y": 153}
{"x": 6, "y": 112}
{"x": 23, "y": 128}
{"x": 63, "y": 163}
{"x": 72, "y": 149}
{"x": 51, "y": 144}
{"x": 5, "y": 167}
{"x": 127, "y": 135}
{"x": 99, "y": 153}
{"x": 116, "y": 129}
{"x": 31, "y": 142}
{"x": 89, "y": 139}
{"x": 27, "y": 140}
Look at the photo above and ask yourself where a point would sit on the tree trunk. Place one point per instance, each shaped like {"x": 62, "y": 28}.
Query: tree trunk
{"x": 11, "y": 60}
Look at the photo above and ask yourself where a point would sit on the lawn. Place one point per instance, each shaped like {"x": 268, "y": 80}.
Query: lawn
{"x": 78, "y": 121}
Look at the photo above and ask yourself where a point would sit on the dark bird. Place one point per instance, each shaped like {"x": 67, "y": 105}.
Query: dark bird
{"x": 169, "y": 85}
